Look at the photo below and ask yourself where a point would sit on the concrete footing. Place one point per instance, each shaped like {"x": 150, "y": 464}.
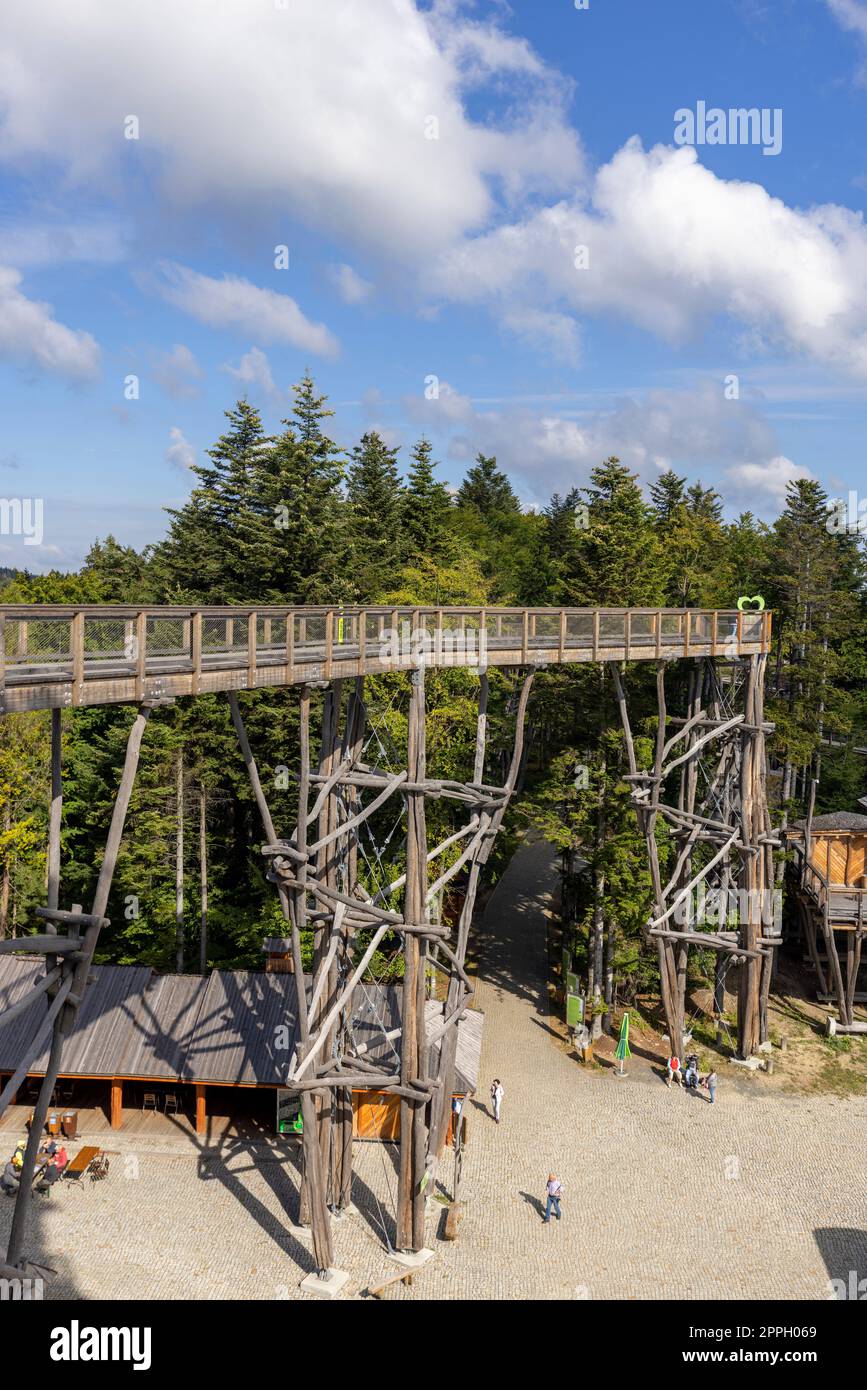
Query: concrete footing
{"x": 329, "y": 1287}
{"x": 411, "y": 1259}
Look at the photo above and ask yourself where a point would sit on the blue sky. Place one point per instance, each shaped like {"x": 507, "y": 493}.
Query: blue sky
{"x": 432, "y": 170}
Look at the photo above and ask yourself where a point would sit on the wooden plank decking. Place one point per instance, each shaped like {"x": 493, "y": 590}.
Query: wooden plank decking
{"x": 54, "y": 656}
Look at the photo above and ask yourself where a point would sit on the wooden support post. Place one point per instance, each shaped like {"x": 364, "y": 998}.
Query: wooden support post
{"x": 75, "y": 986}
{"x": 179, "y": 864}
{"x": 54, "y": 814}
{"x": 314, "y": 1208}
{"x": 413, "y": 1126}
{"x": 201, "y": 1109}
{"x": 116, "y": 1119}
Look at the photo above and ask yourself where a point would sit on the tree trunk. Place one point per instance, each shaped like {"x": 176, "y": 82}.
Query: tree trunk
{"x": 203, "y": 879}
{"x": 179, "y": 869}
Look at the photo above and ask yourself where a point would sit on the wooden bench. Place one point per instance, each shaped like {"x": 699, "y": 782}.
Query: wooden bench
{"x": 79, "y": 1165}
{"x": 405, "y": 1276}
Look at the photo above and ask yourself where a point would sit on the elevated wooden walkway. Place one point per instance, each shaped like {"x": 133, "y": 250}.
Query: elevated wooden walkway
{"x": 57, "y": 656}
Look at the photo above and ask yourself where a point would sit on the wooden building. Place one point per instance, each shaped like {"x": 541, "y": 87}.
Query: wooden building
{"x": 231, "y": 1029}
{"x": 829, "y": 878}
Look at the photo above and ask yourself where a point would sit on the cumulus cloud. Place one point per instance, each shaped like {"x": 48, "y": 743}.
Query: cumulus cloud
{"x": 30, "y": 334}
{"x": 254, "y": 370}
{"x": 669, "y": 246}
{"x": 225, "y": 119}
{"x": 177, "y": 372}
{"x": 180, "y": 454}
{"x": 351, "y": 286}
{"x": 852, "y": 14}
{"x": 236, "y": 303}
{"x": 697, "y": 432}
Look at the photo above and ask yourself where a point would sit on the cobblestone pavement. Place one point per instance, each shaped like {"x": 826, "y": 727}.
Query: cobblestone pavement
{"x": 666, "y": 1196}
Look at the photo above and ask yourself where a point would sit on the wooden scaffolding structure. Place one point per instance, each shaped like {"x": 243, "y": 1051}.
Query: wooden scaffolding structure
{"x": 315, "y": 872}
{"x": 714, "y": 762}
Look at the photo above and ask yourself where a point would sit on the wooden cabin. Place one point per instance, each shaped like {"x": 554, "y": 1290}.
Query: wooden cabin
{"x": 830, "y": 881}
{"x": 234, "y": 1030}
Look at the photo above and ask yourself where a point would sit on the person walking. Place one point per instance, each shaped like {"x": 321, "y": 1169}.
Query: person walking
{"x": 553, "y": 1193}
{"x": 710, "y": 1082}
{"x": 496, "y": 1097}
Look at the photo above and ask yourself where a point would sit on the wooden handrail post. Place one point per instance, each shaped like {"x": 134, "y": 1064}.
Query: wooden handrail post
{"x": 196, "y": 650}
{"x": 76, "y": 651}
{"x": 595, "y": 634}
{"x": 290, "y": 646}
{"x": 252, "y": 634}
{"x": 525, "y": 637}
{"x": 329, "y": 643}
{"x": 562, "y": 651}
{"x": 627, "y": 633}
{"x": 141, "y": 641}
{"x": 687, "y": 620}
{"x": 657, "y": 623}
{"x": 713, "y": 634}
{"x": 362, "y": 639}
{"x": 2, "y": 663}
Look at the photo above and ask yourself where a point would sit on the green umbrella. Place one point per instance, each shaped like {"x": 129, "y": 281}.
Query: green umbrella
{"x": 622, "y": 1052}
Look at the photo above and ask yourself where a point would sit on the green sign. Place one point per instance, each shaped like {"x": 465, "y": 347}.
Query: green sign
{"x": 574, "y": 1010}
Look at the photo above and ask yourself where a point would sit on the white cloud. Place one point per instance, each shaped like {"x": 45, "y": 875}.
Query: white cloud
{"x": 236, "y": 303}
{"x": 852, "y": 14}
{"x": 254, "y": 369}
{"x": 180, "y": 453}
{"x": 351, "y": 287}
{"x": 768, "y": 479}
{"x": 697, "y": 432}
{"x": 320, "y": 110}
{"x": 30, "y": 334}
{"x": 671, "y": 246}
{"x": 177, "y": 372}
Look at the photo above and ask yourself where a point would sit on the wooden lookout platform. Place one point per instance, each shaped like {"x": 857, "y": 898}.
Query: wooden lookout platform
{"x": 58, "y": 656}
{"x": 830, "y": 870}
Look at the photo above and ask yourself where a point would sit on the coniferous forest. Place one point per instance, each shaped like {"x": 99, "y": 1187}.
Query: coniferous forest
{"x": 294, "y": 518}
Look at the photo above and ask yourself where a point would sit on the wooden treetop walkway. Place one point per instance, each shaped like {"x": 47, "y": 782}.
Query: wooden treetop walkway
{"x": 59, "y": 655}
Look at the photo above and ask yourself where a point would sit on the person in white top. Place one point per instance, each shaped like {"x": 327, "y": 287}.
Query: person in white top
{"x": 496, "y": 1097}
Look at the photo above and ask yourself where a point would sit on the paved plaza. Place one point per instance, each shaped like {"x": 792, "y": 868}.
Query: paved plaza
{"x": 760, "y": 1196}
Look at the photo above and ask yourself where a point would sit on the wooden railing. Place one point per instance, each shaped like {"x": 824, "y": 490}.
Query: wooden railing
{"x": 109, "y": 654}
{"x": 842, "y": 906}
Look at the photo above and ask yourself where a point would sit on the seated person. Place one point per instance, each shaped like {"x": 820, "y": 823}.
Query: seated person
{"x": 61, "y": 1157}
{"x": 9, "y": 1181}
{"x": 50, "y": 1174}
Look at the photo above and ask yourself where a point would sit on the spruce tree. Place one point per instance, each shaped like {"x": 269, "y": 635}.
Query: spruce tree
{"x": 426, "y": 509}
{"x": 487, "y": 489}
{"x": 374, "y": 498}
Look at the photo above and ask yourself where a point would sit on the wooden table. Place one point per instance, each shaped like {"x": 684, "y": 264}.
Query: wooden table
{"x": 79, "y": 1165}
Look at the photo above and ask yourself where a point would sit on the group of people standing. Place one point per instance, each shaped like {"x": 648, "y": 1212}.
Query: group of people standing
{"x": 689, "y": 1077}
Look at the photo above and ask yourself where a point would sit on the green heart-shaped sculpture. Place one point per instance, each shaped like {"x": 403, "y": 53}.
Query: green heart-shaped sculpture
{"x": 756, "y": 599}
